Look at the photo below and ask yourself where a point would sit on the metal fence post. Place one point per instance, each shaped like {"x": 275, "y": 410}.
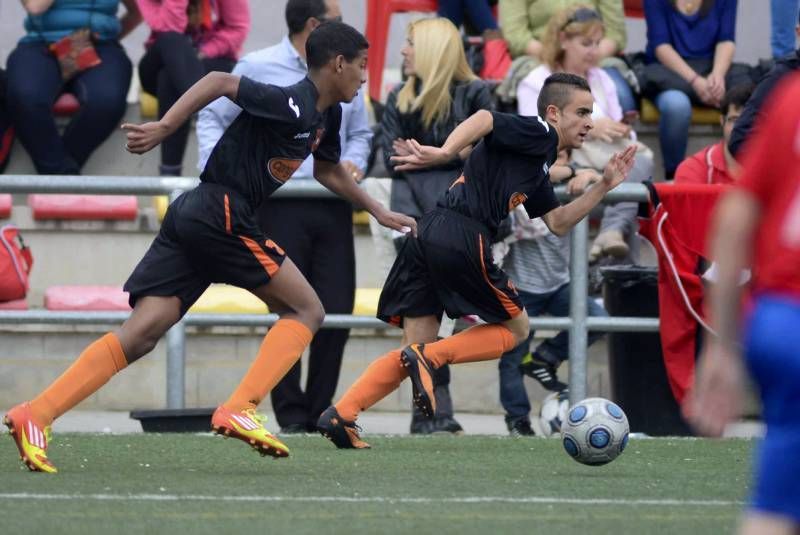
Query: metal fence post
{"x": 176, "y": 366}
{"x": 578, "y": 294}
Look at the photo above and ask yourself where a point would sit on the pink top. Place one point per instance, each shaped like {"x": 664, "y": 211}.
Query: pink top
{"x": 606, "y": 101}
{"x": 231, "y": 23}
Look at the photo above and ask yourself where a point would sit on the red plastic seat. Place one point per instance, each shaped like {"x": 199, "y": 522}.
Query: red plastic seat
{"x": 5, "y": 205}
{"x": 633, "y": 9}
{"x": 66, "y": 105}
{"x": 379, "y": 14}
{"x": 97, "y": 298}
{"x": 116, "y": 207}
{"x": 19, "y": 304}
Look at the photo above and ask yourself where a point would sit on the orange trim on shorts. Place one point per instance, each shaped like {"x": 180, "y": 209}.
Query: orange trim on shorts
{"x": 227, "y": 214}
{"x": 511, "y": 307}
{"x": 263, "y": 258}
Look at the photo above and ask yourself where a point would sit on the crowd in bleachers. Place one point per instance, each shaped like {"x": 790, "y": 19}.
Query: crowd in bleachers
{"x": 73, "y": 47}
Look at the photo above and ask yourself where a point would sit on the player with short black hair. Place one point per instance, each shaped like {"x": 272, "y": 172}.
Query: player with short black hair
{"x": 449, "y": 268}
{"x": 557, "y": 90}
{"x": 209, "y": 234}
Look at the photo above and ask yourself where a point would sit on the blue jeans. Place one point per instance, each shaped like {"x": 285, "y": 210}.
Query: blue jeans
{"x": 513, "y": 396}
{"x": 624, "y": 91}
{"x": 478, "y": 12}
{"x": 675, "y": 109}
{"x": 784, "y": 17}
{"x": 34, "y": 84}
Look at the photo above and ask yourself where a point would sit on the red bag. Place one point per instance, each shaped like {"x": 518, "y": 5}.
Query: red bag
{"x": 15, "y": 264}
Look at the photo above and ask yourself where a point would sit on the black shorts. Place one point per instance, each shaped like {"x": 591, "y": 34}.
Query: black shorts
{"x": 209, "y": 235}
{"x": 449, "y": 268}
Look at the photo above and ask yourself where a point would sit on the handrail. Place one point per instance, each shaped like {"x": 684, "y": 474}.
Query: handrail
{"x": 578, "y": 323}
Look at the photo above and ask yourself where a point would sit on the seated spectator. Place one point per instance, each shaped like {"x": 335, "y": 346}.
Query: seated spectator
{"x": 690, "y": 47}
{"x": 524, "y": 22}
{"x": 6, "y": 130}
{"x": 783, "y": 13}
{"x": 36, "y": 78}
{"x": 715, "y": 164}
{"x": 439, "y": 93}
{"x": 571, "y": 43}
{"x": 752, "y": 110}
{"x": 189, "y": 39}
{"x": 481, "y": 19}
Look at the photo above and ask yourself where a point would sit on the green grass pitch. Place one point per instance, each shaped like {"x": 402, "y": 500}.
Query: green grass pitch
{"x": 196, "y": 484}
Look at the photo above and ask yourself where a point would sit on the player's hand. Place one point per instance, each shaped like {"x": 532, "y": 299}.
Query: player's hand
{"x": 396, "y": 221}
{"x": 420, "y": 157}
{"x": 583, "y": 179}
{"x": 618, "y": 167}
{"x": 716, "y": 397}
{"x": 353, "y": 170}
{"x": 143, "y": 137}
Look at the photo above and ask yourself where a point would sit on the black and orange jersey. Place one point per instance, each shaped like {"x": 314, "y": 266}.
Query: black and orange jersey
{"x": 277, "y": 130}
{"x": 508, "y": 167}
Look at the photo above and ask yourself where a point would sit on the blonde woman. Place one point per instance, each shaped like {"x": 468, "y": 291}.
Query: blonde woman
{"x": 572, "y": 43}
{"x": 439, "y": 93}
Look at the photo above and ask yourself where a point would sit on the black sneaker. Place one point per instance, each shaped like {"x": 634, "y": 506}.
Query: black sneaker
{"x": 419, "y": 368}
{"x": 342, "y": 433}
{"x": 520, "y": 428}
{"x": 421, "y": 426}
{"x": 293, "y": 429}
{"x": 534, "y": 365}
{"x": 447, "y": 424}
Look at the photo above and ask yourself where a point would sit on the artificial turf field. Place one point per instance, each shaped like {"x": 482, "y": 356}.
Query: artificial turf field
{"x": 152, "y": 484}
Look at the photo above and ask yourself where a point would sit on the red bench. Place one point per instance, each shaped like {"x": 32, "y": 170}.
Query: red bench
{"x": 92, "y": 298}
{"x": 5, "y": 205}
{"x": 19, "y": 304}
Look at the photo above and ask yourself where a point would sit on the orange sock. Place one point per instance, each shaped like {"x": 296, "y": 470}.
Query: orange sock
{"x": 282, "y": 346}
{"x": 380, "y": 378}
{"x": 482, "y": 342}
{"x": 94, "y": 367}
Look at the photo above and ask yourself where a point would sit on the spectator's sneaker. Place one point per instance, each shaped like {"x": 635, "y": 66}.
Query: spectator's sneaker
{"x": 293, "y": 429}
{"x": 421, "y": 425}
{"x": 248, "y": 426}
{"x": 447, "y": 424}
{"x": 520, "y": 428}
{"x": 30, "y": 437}
{"x": 541, "y": 369}
{"x": 342, "y": 433}
{"x": 420, "y": 371}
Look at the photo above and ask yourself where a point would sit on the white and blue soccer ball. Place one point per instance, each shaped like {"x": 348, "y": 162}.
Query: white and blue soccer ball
{"x": 595, "y": 431}
{"x": 553, "y": 412}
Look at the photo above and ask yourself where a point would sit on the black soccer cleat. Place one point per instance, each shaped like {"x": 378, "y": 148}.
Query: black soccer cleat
{"x": 342, "y": 433}
{"x": 420, "y": 371}
{"x": 533, "y": 365}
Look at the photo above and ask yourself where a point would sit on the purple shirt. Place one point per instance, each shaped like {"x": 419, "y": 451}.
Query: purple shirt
{"x": 691, "y": 36}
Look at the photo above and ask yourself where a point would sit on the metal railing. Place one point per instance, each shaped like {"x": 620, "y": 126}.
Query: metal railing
{"x": 578, "y": 324}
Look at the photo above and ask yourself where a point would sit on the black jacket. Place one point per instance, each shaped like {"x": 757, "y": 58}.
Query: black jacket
{"x": 751, "y": 112}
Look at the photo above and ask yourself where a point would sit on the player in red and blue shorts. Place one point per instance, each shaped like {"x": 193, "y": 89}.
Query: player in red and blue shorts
{"x": 757, "y": 225}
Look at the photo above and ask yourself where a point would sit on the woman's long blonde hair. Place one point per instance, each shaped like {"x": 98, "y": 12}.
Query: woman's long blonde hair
{"x": 439, "y": 60}
{"x": 552, "y": 53}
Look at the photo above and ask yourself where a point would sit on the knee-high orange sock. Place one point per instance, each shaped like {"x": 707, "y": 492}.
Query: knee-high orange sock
{"x": 282, "y": 346}
{"x": 380, "y": 378}
{"x": 94, "y": 367}
{"x": 482, "y": 342}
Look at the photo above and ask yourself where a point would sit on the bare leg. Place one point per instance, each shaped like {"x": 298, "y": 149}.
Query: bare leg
{"x": 755, "y": 523}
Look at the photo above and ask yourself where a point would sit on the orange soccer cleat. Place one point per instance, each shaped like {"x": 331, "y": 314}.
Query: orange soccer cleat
{"x": 30, "y": 437}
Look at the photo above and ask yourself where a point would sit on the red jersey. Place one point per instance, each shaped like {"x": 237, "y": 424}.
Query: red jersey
{"x": 707, "y": 166}
{"x": 771, "y": 172}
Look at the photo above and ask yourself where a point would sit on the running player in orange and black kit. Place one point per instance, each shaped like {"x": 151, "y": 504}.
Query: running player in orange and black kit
{"x": 449, "y": 268}
{"x": 210, "y": 235}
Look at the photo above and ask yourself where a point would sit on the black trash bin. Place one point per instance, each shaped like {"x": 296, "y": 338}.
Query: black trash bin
{"x": 636, "y": 365}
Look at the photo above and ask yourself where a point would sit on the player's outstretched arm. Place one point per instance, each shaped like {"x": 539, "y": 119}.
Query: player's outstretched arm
{"x": 563, "y": 218}
{"x": 465, "y": 135}
{"x": 336, "y": 178}
{"x": 716, "y": 397}
{"x": 143, "y": 137}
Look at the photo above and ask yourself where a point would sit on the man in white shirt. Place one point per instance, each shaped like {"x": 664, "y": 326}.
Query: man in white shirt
{"x": 316, "y": 233}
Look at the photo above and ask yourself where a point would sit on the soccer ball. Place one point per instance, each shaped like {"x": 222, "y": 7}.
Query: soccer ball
{"x": 553, "y": 412}
{"x": 595, "y": 431}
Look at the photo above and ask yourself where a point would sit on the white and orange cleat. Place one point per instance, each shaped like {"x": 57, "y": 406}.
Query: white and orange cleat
{"x": 30, "y": 437}
{"x": 248, "y": 426}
